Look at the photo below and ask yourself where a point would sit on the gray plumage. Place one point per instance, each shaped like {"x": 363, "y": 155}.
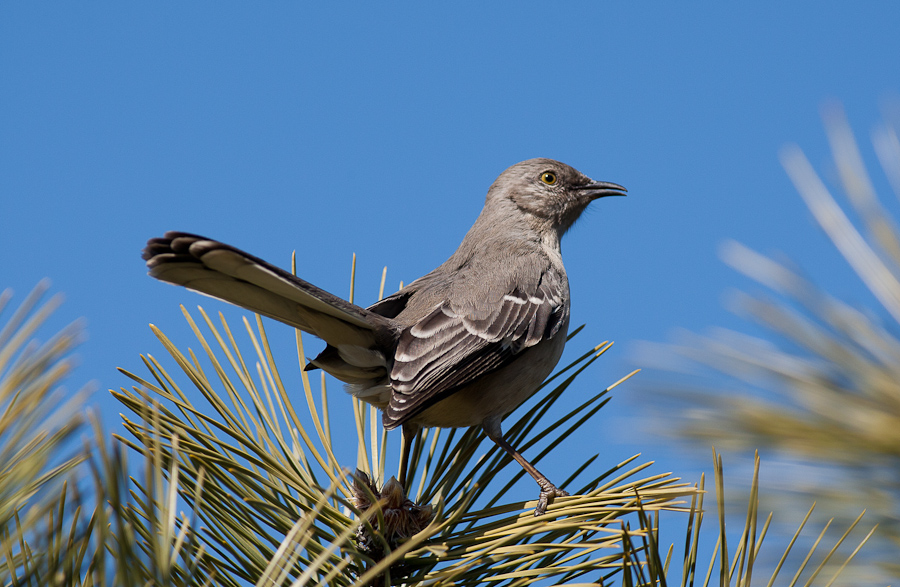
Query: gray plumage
{"x": 462, "y": 346}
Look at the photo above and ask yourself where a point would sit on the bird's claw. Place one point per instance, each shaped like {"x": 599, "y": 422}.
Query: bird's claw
{"x": 548, "y": 492}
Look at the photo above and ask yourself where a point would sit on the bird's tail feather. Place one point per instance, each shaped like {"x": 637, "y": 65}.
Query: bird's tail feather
{"x": 224, "y": 272}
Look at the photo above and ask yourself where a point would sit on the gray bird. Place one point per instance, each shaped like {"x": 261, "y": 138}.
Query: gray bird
{"x": 462, "y": 346}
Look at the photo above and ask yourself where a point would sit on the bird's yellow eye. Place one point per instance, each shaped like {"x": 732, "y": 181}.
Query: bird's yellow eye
{"x": 548, "y": 177}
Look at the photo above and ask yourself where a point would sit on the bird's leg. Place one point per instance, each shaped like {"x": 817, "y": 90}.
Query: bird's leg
{"x": 548, "y": 489}
{"x": 410, "y": 431}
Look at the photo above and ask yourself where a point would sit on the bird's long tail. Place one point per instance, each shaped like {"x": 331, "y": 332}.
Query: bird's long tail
{"x": 224, "y": 272}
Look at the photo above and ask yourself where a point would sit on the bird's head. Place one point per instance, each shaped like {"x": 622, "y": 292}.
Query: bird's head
{"x": 551, "y": 193}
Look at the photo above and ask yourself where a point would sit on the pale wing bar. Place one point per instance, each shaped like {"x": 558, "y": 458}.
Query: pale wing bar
{"x": 445, "y": 351}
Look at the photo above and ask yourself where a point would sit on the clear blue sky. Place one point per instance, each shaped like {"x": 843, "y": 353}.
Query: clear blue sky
{"x": 339, "y": 128}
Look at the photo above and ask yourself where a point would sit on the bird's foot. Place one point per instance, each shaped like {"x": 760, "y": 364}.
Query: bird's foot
{"x": 548, "y": 492}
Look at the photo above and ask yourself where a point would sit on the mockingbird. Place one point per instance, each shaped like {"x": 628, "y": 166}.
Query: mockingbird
{"x": 462, "y": 346}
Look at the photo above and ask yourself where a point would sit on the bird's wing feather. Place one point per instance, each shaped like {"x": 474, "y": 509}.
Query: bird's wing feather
{"x": 393, "y": 304}
{"x": 446, "y": 350}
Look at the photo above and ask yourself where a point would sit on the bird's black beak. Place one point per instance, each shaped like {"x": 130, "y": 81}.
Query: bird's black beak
{"x": 601, "y": 189}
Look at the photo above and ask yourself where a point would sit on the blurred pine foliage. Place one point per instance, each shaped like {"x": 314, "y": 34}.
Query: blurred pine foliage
{"x": 822, "y": 387}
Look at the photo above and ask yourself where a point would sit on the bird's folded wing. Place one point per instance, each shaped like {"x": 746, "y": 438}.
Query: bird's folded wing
{"x": 447, "y": 350}
{"x": 224, "y": 272}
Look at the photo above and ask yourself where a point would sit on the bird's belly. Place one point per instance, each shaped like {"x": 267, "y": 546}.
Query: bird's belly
{"x": 498, "y": 393}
